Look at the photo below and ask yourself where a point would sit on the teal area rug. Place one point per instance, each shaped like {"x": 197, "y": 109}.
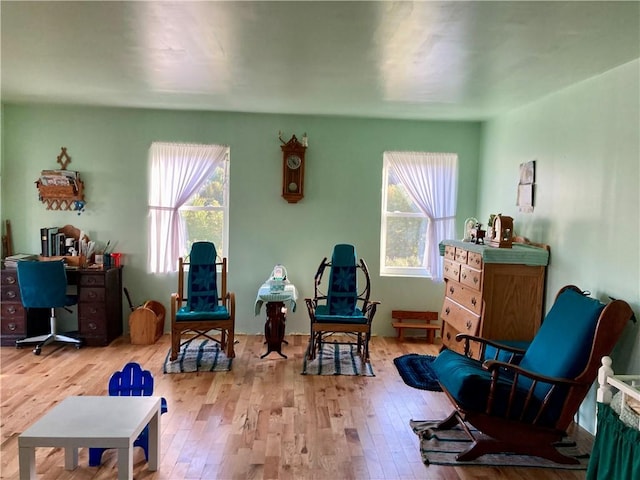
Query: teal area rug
{"x": 199, "y": 355}
{"x": 337, "y": 359}
{"x": 415, "y": 370}
{"x": 440, "y": 447}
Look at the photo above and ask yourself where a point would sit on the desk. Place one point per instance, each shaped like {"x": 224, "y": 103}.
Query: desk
{"x": 274, "y": 327}
{"x": 99, "y": 307}
{"x": 109, "y": 422}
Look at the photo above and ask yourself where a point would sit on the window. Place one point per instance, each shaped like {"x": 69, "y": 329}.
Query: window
{"x": 419, "y": 193}
{"x": 188, "y": 201}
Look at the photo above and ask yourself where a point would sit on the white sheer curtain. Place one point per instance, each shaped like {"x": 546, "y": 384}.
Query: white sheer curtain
{"x": 177, "y": 171}
{"x": 431, "y": 180}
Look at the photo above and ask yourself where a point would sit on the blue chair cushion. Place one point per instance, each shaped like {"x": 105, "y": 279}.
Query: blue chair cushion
{"x": 468, "y": 383}
{"x": 44, "y": 285}
{"x": 573, "y": 316}
{"x": 323, "y": 316}
{"x": 202, "y": 280}
{"x": 343, "y": 289}
{"x": 185, "y": 315}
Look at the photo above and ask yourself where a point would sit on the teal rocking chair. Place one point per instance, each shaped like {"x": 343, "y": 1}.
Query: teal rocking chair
{"x": 526, "y": 406}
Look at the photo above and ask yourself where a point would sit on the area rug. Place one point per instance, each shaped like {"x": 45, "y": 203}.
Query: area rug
{"x": 440, "y": 447}
{"x": 337, "y": 359}
{"x": 199, "y": 355}
{"x": 416, "y": 371}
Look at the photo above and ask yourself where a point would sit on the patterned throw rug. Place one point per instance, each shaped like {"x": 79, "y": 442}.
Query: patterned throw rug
{"x": 440, "y": 447}
{"x": 416, "y": 371}
{"x": 200, "y": 355}
{"x": 337, "y": 359}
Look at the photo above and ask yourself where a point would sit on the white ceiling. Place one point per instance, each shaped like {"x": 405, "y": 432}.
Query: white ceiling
{"x": 418, "y": 60}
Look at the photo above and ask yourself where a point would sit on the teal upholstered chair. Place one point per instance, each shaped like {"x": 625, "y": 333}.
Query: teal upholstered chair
{"x": 202, "y": 306}
{"x": 525, "y": 406}
{"x": 343, "y": 307}
{"x": 44, "y": 285}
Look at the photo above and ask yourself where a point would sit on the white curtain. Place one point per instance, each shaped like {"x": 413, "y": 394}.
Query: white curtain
{"x": 431, "y": 180}
{"x": 177, "y": 171}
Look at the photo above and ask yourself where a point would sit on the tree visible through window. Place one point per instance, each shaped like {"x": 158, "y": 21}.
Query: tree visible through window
{"x": 418, "y": 211}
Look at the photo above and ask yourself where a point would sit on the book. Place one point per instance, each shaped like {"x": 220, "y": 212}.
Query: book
{"x": 60, "y": 246}
{"x": 12, "y": 260}
{"x": 51, "y": 238}
{"x": 44, "y": 242}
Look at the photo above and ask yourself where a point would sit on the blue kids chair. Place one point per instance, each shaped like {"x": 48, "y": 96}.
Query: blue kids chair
{"x": 132, "y": 381}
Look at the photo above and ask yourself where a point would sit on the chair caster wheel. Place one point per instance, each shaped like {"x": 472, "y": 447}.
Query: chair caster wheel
{"x": 78, "y": 346}
{"x": 37, "y": 350}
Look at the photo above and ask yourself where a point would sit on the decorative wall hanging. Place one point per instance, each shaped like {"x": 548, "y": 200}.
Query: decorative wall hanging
{"x": 525, "y": 186}
{"x": 293, "y": 153}
{"x": 61, "y": 189}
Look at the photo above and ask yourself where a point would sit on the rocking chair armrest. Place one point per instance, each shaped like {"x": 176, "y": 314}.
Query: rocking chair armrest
{"x": 230, "y": 303}
{"x": 486, "y": 342}
{"x": 370, "y": 309}
{"x": 176, "y": 301}
{"x": 495, "y": 365}
{"x": 311, "y": 306}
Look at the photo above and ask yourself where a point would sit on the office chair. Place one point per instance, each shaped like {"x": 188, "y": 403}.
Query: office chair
{"x": 201, "y": 306}
{"x": 44, "y": 285}
{"x": 344, "y": 307}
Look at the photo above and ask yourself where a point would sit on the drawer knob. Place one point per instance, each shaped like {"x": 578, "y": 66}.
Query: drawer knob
{"x": 448, "y": 336}
{"x": 469, "y": 324}
{"x": 447, "y": 311}
{"x": 474, "y": 301}
{"x": 11, "y": 280}
{"x": 12, "y": 326}
{"x": 464, "y": 275}
{"x": 93, "y": 310}
{"x": 92, "y": 295}
{"x": 11, "y": 294}
{"x": 451, "y": 290}
{"x": 92, "y": 326}
{"x": 475, "y": 280}
{"x": 11, "y": 309}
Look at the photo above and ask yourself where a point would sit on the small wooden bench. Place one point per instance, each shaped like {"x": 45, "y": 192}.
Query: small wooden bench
{"x": 403, "y": 319}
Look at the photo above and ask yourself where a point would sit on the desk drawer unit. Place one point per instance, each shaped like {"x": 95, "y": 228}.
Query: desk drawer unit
{"x": 99, "y": 306}
{"x": 15, "y": 321}
{"x": 491, "y": 292}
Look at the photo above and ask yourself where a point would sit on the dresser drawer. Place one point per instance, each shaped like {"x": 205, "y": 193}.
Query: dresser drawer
{"x": 449, "y": 252}
{"x": 460, "y": 318}
{"x": 471, "y": 277}
{"x": 467, "y": 297}
{"x": 15, "y": 325}
{"x": 91, "y": 295}
{"x": 452, "y": 270}
{"x": 92, "y": 280}
{"x": 475, "y": 260}
{"x": 461, "y": 255}
{"x": 10, "y": 293}
{"x": 12, "y": 310}
{"x": 9, "y": 277}
{"x": 449, "y": 340}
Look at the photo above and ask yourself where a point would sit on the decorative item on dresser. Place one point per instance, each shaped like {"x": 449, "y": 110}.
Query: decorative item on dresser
{"x": 496, "y": 293}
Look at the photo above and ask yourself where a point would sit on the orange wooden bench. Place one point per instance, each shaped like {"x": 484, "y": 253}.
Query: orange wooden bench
{"x": 403, "y": 319}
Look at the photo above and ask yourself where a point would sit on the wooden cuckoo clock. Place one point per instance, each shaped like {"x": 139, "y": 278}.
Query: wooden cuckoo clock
{"x": 293, "y": 168}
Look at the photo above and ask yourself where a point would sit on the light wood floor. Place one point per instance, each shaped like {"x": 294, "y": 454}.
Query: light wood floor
{"x": 260, "y": 420}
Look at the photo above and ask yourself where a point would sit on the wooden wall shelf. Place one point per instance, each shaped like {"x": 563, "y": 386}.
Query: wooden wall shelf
{"x": 61, "y": 189}
{"x": 57, "y": 197}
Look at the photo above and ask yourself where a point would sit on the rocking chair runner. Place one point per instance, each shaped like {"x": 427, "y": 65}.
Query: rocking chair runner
{"x": 202, "y": 309}
{"x": 344, "y": 308}
{"x": 525, "y": 407}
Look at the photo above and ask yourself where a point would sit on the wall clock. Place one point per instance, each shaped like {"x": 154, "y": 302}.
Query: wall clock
{"x": 293, "y": 153}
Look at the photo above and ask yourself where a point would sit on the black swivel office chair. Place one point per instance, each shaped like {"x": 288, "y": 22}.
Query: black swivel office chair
{"x": 44, "y": 285}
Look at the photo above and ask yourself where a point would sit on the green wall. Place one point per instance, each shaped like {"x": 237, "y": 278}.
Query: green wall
{"x": 586, "y": 144}
{"x": 341, "y": 204}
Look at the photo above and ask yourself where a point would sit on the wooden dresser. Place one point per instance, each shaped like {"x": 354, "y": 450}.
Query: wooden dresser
{"x": 495, "y": 293}
{"x": 99, "y": 308}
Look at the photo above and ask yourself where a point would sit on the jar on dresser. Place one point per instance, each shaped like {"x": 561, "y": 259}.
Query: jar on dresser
{"x": 495, "y": 293}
